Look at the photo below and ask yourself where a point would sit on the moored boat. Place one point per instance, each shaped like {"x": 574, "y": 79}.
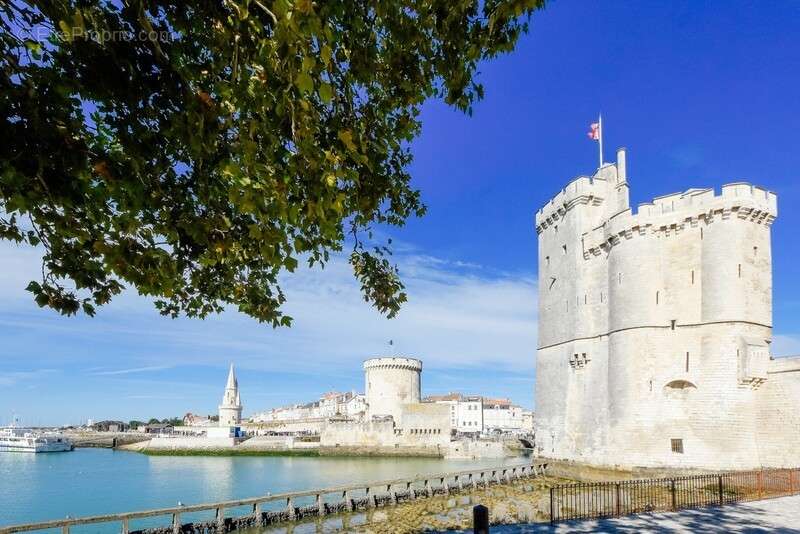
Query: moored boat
{"x": 14, "y": 439}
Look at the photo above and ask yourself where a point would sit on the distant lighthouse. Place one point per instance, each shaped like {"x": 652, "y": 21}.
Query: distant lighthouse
{"x": 230, "y": 411}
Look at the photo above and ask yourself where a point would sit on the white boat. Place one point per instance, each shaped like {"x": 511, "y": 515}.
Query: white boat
{"x": 14, "y": 439}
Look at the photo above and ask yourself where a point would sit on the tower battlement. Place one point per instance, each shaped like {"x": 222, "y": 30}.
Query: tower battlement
{"x": 647, "y": 317}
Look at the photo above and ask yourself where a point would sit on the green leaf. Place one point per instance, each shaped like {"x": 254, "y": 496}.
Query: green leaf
{"x": 304, "y": 82}
{"x": 325, "y": 92}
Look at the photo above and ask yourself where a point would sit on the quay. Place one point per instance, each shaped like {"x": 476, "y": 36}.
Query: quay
{"x": 326, "y": 501}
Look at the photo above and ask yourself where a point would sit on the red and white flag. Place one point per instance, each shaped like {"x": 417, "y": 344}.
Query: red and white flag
{"x": 594, "y": 131}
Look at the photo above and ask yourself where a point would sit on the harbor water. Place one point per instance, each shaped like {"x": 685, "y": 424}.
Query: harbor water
{"x": 40, "y": 487}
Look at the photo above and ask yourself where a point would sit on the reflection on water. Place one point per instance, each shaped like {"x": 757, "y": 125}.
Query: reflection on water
{"x": 37, "y": 487}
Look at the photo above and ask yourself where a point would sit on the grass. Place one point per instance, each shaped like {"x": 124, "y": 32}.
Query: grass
{"x": 229, "y": 452}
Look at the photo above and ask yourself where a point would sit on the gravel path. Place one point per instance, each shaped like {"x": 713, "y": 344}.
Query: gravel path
{"x": 781, "y": 515}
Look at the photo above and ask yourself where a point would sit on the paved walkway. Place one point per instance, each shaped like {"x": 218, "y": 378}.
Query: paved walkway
{"x": 781, "y": 515}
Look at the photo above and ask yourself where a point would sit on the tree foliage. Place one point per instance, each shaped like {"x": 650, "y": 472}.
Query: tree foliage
{"x": 196, "y": 150}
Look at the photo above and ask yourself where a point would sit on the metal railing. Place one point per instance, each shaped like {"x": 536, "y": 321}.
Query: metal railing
{"x": 349, "y": 498}
{"x": 612, "y": 499}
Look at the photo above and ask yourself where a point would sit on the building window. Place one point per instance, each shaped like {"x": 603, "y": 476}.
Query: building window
{"x": 677, "y": 445}
{"x": 740, "y": 270}
{"x": 656, "y": 297}
{"x": 687, "y": 362}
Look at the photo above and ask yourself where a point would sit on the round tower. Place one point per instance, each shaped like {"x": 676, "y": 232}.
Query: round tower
{"x": 391, "y": 383}
{"x": 230, "y": 411}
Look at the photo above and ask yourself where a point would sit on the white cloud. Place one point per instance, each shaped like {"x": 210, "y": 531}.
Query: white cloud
{"x": 458, "y": 314}
{"x": 117, "y": 372}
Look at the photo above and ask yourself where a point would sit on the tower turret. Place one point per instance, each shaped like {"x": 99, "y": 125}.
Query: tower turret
{"x": 230, "y": 411}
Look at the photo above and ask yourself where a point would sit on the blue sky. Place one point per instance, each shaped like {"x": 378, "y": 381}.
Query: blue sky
{"x": 701, "y": 94}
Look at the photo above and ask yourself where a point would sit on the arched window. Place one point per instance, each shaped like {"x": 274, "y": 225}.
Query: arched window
{"x": 679, "y": 389}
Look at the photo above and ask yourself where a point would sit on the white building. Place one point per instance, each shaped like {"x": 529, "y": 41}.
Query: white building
{"x": 230, "y": 411}
{"x": 655, "y": 327}
{"x": 499, "y": 415}
{"x": 472, "y": 414}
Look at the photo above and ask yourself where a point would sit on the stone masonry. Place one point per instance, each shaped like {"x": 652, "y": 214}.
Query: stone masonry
{"x": 655, "y": 326}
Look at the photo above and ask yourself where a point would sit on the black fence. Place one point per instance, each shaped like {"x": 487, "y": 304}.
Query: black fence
{"x": 611, "y": 499}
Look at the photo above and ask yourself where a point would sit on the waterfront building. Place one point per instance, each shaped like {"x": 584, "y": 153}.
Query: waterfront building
{"x": 473, "y": 414}
{"x": 655, "y": 327}
{"x": 230, "y": 411}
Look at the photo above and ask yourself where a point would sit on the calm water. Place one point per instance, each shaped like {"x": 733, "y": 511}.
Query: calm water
{"x": 36, "y": 487}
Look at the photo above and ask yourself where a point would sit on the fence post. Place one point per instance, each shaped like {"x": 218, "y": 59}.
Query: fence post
{"x": 220, "y": 519}
{"x": 721, "y": 498}
{"x": 760, "y": 478}
{"x": 672, "y": 490}
{"x": 619, "y": 500}
{"x": 480, "y": 519}
{"x": 176, "y": 523}
{"x": 257, "y": 513}
{"x": 552, "y": 506}
{"x": 791, "y": 481}
{"x": 125, "y": 526}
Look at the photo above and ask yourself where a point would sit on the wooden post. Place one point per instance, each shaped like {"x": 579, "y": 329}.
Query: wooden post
{"x": 392, "y": 495}
{"x": 480, "y": 519}
{"x": 552, "y": 505}
{"x": 219, "y": 516}
{"x": 459, "y": 487}
{"x": 369, "y": 498}
{"x": 412, "y": 493}
{"x": 473, "y": 481}
{"x": 65, "y": 529}
{"x": 125, "y": 526}
{"x": 721, "y": 494}
{"x": 348, "y": 501}
{"x": 257, "y": 513}
{"x": 428, "y": 490}
{"x": 619, "y": 500}
{"x": 445, "y": 485}
{"x": 791, "y": 481}
{"x": 674, "y": 497}
{"x": 290, "y": 508}
{"x": 176, "y": 523}
{"x": 320, "y": 505}
{"x": 760, "y": 479}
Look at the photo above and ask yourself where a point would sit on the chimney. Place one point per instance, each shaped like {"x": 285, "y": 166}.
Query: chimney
{"x": 622, "y": 175}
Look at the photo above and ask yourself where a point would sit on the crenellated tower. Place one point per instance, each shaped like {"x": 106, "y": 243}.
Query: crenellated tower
{"x": 654, "y": 324}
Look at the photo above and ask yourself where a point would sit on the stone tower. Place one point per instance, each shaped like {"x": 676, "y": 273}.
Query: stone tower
{"x": 654, "y": 324}
{"x": 230, "y": 411}
{"x": 390, "y": 383}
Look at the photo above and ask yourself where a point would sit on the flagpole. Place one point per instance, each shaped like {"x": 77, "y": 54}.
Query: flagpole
{"x": 600, "y": 136}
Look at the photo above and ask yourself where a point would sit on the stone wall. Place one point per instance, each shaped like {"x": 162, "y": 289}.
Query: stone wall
{"x": 654, "y": 326}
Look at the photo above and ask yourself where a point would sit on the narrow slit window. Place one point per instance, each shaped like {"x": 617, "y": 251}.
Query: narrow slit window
{"x": 701, "y": 234}
{"x": 755, "y": 252}
{"x": 672, "y": 324}
{"x": 676, "y": 445}
{"x": 564, "y": 249}
{"x": 601, "y": 296}
{"x": 740, "y": 270}
{"x": 692, "y": 277}
{"x": 687, "y": 362}
{"x": 657, "y": 293}
{"x": 585, "y": 298}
